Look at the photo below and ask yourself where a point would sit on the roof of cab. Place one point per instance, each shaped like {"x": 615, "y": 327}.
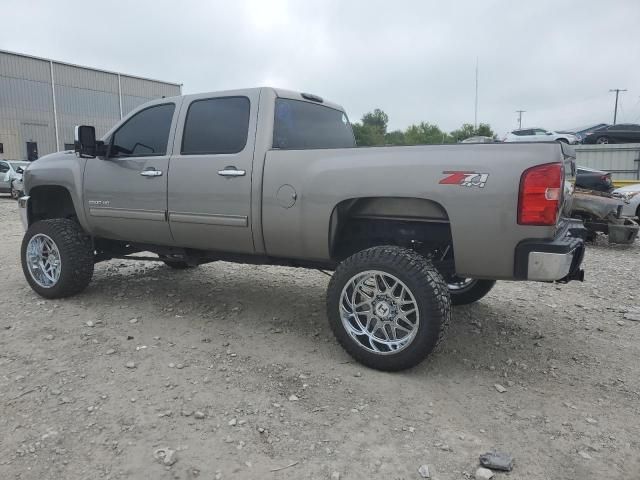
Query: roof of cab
{"x": 279, "y": 92}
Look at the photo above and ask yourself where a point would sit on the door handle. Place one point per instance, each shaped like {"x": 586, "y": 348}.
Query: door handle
{"x": 151, "y": 172}
{"x": 231, "y": 171}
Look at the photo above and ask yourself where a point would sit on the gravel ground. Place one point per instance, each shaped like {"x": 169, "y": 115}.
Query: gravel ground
{"x": 234, "y": 368}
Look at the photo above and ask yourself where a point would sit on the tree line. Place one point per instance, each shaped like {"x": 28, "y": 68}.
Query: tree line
{"x": 372, "y": 130}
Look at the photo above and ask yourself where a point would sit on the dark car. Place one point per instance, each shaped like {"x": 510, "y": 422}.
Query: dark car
{"x": 591, "y": 179}
{"x": 621, "y": 133}
{"x": 581, "y": 132}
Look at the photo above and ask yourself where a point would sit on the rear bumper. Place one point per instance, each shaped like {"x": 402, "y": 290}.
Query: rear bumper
{"x": 23, "y": 209}
{"x": 556, "y": 260}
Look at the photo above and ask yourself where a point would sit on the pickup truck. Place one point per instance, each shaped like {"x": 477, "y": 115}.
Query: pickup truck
{"x": 269, "y": 176}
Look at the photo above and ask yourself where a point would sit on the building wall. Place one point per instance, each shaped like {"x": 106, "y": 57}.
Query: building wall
{"x": 82, "y": 96}
{"x": 622, "y": 160}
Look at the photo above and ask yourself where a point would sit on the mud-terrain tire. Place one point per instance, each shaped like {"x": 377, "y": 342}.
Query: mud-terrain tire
{"x": 67, "y": 244}
{"x": 401, "y": 290}
{"x": 471, "y": 292}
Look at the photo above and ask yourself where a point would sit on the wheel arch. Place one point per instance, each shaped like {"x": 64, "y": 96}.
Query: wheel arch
{"x": 53, "y": 201}
{"x": 406, "y": 215}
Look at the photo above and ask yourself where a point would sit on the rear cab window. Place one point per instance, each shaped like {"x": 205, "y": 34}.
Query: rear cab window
{"x": 301, "y": 125}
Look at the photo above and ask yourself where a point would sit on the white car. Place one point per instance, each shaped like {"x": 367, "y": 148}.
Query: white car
{"x": 539, "y": 135}
{"x": 632, "y": 194}
{"x": 9, "y": 171}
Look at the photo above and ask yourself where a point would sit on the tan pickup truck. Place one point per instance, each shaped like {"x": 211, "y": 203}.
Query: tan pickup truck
{"x": 269, "y": 176}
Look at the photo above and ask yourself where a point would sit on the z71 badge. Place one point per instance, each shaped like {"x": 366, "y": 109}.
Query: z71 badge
{"x": 465, "y": 179}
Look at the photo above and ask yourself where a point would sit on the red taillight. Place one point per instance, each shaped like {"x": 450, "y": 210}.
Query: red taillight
{"x": 540, "y": 195}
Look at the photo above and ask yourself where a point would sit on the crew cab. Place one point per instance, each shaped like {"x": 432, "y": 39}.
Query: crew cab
{"x": 270, "y": 176}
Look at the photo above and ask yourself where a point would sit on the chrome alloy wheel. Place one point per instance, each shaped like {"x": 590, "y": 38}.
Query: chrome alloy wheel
{"x": 43, "y": 260}
{"x": 379, "y": 312}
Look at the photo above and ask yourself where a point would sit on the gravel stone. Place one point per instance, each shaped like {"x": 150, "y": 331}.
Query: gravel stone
{"x": 483, "y": 474}
{"x": 497, "y": 461}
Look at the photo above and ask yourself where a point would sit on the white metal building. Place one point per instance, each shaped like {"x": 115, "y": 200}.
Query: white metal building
{"x": 42, "y": 100}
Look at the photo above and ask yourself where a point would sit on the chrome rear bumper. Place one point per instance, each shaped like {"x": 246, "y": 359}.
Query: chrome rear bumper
{"x": 548, "y": 267}
{"x": 553, "y": 260}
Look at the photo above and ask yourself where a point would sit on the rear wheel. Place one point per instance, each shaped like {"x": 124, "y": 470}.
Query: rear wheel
{"x": 603, "y": 140}
{"x": 388, "y": 307}
{"x": 464, "y": 291}
{"x": 563, "y": 140}
{"x": 57, "y": 258}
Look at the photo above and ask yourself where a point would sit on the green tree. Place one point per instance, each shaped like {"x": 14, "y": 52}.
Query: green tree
{"x": 367, "y": 136}
{"x": 467, "y": 130}
{"x": 372, "y": 129}
{"x": 426, "y": 134}
{"x": 376, "y": 119}
{"x": 395, "y": 138}
{"x": 484, "y": 129}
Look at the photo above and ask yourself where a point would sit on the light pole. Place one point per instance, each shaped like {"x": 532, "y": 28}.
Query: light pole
{"x": 520, "y": 112}
{"x": 615, "y": 108}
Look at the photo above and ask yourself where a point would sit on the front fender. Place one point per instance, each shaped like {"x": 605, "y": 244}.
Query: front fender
{"x": 62, "y": 169}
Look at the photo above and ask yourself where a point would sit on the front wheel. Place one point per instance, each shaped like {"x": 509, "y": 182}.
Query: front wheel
{"x": 464, "y": 291}
{"x": 57, "y": 258}
{"x": 602, "y": 140}
{"x": 388, "y": 307}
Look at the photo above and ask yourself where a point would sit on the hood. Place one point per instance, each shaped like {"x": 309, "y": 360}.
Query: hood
{"x": 52, "y": 157}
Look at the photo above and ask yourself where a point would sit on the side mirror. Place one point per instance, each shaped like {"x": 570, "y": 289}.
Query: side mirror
{"x": 549, "y": 133}
{"x": 19, "y": 170}
{"x": 85, "y": 141}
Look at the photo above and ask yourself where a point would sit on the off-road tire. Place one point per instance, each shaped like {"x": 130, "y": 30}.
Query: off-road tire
{"x": 472, "y": 294}
{"x": 76, "y": 254}
{"x": 427, "y": 287}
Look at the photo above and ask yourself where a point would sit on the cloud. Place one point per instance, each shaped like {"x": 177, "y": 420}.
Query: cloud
{"x": 414, "y": 59}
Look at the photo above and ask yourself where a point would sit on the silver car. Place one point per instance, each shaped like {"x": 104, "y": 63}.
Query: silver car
{"x": 10, "y": 170}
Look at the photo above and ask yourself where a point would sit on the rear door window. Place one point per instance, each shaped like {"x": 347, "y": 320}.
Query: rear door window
{"x": 300, "y": 125}
{"x": 216, "y": 126}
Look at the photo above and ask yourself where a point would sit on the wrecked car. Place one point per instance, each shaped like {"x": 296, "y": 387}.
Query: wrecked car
{"x": 602, "y": 212}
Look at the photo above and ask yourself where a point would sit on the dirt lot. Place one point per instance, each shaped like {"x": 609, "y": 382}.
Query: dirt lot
{"x": 234, "y": 367}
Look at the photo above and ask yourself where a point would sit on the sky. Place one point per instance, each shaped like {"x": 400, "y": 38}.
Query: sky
{"x": 414, "y": 59}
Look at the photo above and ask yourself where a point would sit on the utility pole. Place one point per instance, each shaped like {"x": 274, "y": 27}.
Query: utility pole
{"x": 520, "y": 112}
{"x": 475, "y": 116}
{"x": 615, "y": 109}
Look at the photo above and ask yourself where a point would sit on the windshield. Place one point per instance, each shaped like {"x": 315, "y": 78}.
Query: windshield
{"x": 302, "y": 125}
